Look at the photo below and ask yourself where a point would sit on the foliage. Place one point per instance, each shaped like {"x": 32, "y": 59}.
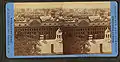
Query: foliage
{"x": 76, "y": 45}
{"x": 25, "y": 46}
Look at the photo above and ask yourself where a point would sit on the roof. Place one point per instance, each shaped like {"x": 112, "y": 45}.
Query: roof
{"x": 79, "y": 22}
{"x": 59, "y": 31}
{"x": 43, "y": 18}
{"x": 38, "y": 20}
{"x": 107, "y": 30}
{"x": 99, "y": 24}
{"x": 92, "y": 18}
{"x": 49, "y": 24}
{"x": 50, "y": 41}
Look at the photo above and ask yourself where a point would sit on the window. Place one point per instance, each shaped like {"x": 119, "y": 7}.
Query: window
{"x": 81, "y": 29}
{"x": 59, "y": 36}
{"x": 68, "y": 25}
{"x": 88, "y": 33}
{"x": 106, "y": 35}
{"x": 91, "y": 32}
{"x": 39, "y": 29}
{"x": 25, "y": 24}
{"x": 88, "y": 29}
{"x": 74, "y": 25}
{"x": 45, "y": 24}
{"x": 110, "y": 35}
{"x": 19, "y": 24}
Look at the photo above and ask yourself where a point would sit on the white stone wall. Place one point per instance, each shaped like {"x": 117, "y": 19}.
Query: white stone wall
{"x": 46, "y": 47}
{"x": 107, "y": 47}
{"x": 106, "y": 43}
{"x": 58, "y": 47}
{"x": 95, "y": 47}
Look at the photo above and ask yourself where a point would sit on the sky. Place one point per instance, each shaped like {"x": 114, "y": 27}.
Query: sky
{"x": 63, "y": 5}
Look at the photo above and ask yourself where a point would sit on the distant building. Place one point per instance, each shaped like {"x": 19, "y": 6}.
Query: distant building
{"x": 92, "y": 18}
{"x": 101, "y": 45}
{"x": 83, "y": 26}
{"x": 51, "y": 46}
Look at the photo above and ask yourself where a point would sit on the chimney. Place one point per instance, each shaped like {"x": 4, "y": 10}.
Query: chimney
{"x": 41, "y": 37}
{"x": 91, "y": 37}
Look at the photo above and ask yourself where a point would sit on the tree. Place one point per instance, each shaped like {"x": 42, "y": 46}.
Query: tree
{"x": 25, "y": 46}
{"x": 76, "y": 45}
{"x": 79, "y": 46}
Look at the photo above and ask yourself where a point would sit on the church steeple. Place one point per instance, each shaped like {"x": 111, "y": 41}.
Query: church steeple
{"x": 59, "y": 35}
{"x": 107, "y": 34}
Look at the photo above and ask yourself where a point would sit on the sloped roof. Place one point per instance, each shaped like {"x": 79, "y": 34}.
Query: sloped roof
{"x": 43, "y": 18}
{"x": 38, "y": 20}
{"x": 49, "y": 24}
{"x": 107, "y": 30}
{"x": 92, "y": 18}
{"x": 99, "y": 24}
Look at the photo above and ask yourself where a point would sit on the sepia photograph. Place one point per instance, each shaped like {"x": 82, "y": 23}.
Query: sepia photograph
{"x": 62, "y": 28}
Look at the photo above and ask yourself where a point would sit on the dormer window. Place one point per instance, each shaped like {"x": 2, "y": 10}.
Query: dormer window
{"x": 68, "y": 25}
{"x": 19, "y": 24}
{"x": 25, "y": 24}
{"x": 103, "y": 23}
{"x": 44, "y": 24}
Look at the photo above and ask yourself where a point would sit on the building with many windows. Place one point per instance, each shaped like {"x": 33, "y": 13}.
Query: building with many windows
{"x": 101, "y": 45}
{"x": 82, "y": 28}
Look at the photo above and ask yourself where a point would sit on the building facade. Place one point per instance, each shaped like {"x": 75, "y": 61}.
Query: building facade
{"x": 101, "y": 45}
{"x": 81, "y": 28}
{"x": 51, "y": 46}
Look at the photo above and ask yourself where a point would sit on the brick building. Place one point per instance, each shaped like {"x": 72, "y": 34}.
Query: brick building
{"x": 82, "y": 28}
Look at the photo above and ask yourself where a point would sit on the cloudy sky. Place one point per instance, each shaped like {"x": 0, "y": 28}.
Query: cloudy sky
{"x": 63, "y": 5}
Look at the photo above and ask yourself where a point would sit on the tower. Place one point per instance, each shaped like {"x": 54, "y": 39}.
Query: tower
{"x": 107, "y": 35}
{"x": 59, "y": 35}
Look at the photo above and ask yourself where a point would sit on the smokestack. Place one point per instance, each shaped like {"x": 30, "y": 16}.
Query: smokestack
{"x": 41, "y": 37}
{"x": 91, "y": 37}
